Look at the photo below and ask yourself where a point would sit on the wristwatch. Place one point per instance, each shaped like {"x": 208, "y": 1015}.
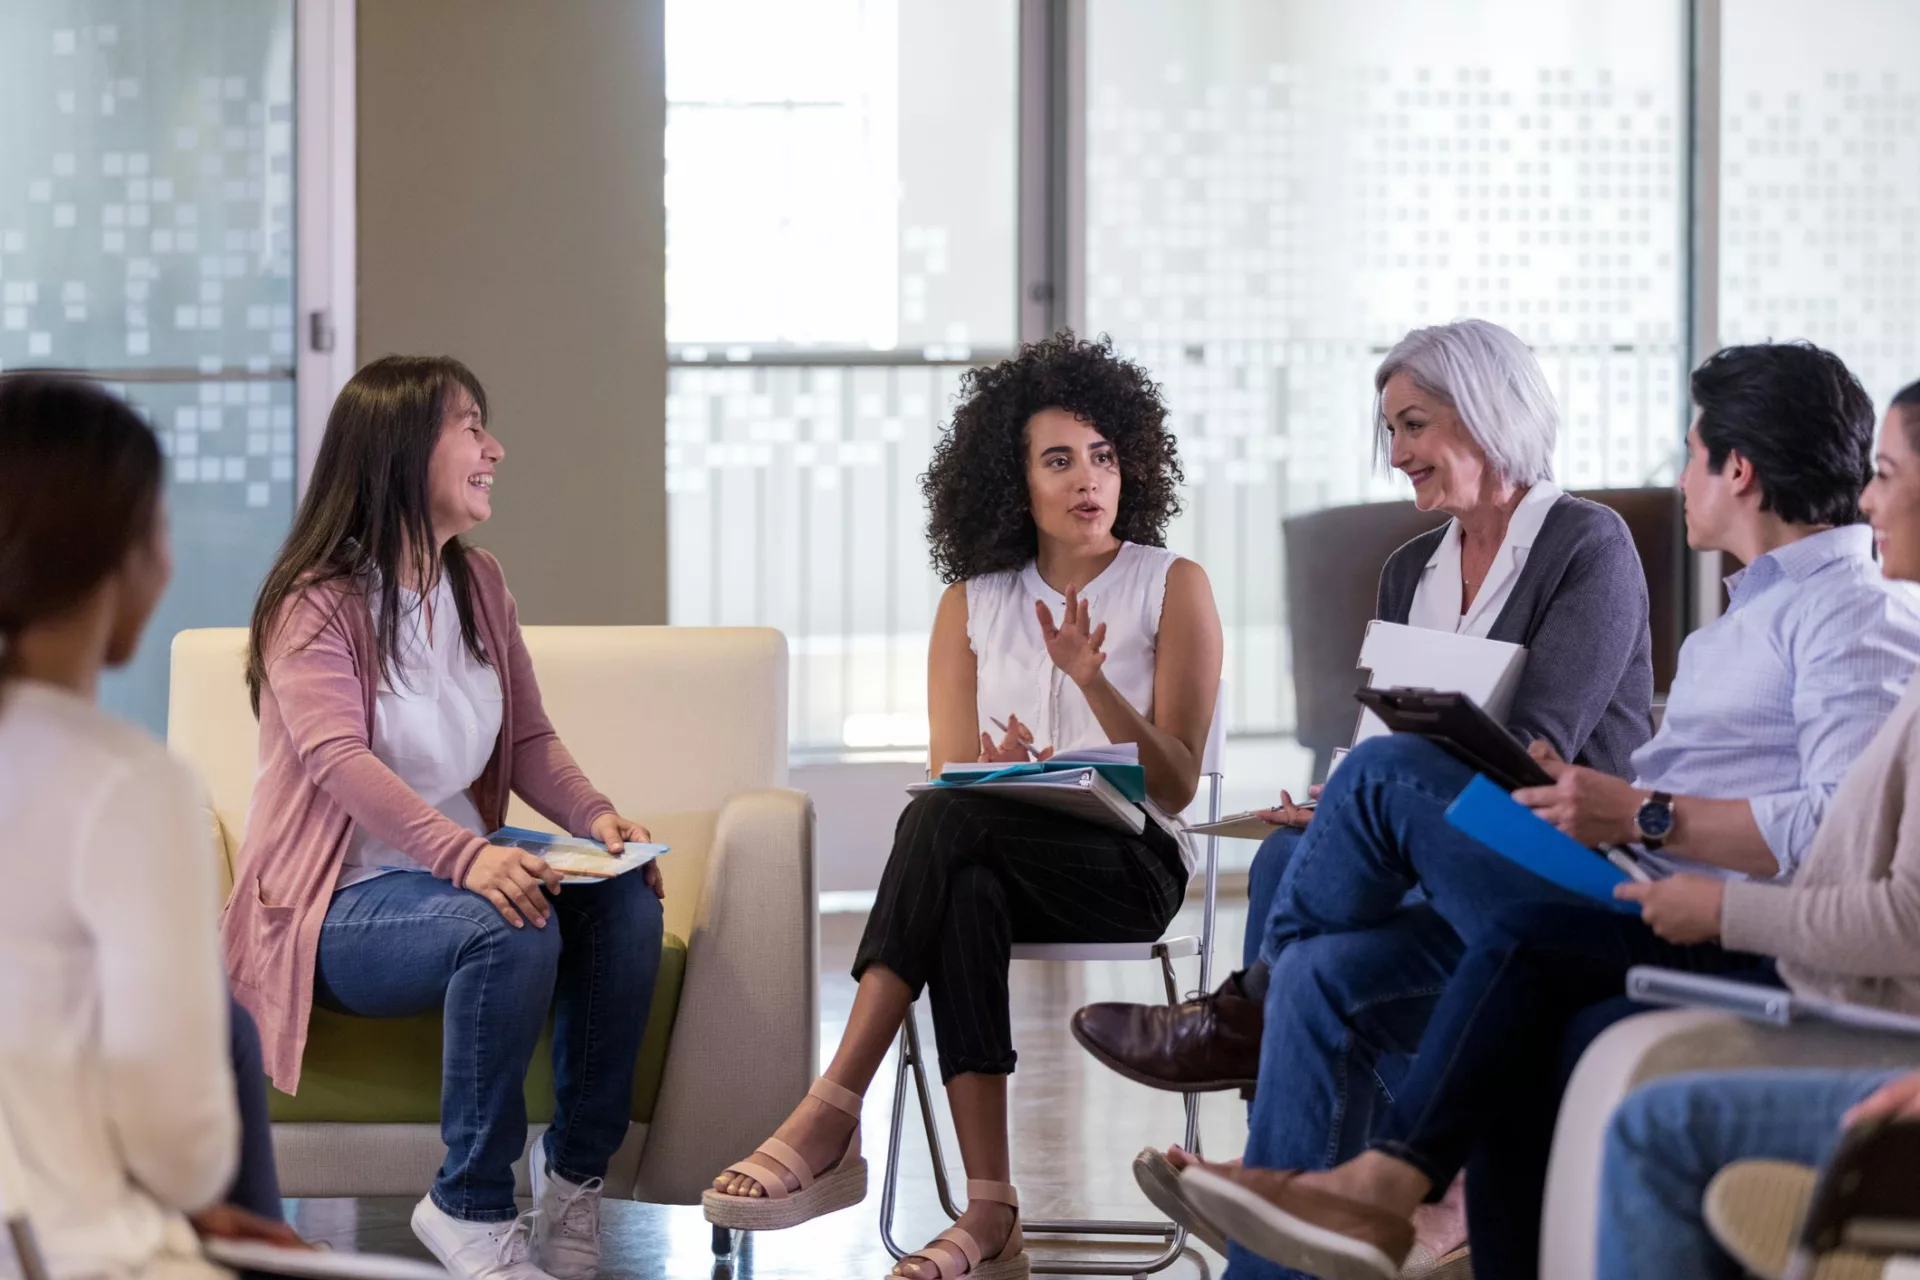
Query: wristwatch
{"x": 1654, "y": 823}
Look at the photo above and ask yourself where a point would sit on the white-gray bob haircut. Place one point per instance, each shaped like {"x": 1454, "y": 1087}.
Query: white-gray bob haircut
{"x": 1492, "y": 381}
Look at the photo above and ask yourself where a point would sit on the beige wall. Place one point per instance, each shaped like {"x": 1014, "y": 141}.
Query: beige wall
{"x": 510, "y": 159}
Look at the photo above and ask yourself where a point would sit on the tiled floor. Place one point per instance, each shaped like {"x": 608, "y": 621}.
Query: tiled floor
{"x": 1076, "y": 1129}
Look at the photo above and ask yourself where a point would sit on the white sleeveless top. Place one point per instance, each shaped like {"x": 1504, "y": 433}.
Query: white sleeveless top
{"x": 1015, "y": 675}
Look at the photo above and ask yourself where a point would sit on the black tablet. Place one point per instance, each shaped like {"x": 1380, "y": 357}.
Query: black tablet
{"x": 1460, "y": 725}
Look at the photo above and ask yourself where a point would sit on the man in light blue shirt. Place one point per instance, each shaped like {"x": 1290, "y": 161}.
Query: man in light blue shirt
{"x": 1770, "y": 705}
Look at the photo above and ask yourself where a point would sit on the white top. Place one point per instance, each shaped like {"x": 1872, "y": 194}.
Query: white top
{"x": 114, "y": 1071}
{"x": 435, "y": 724}
{"x": 1436, "y": 601}
{"x": 1015, "y": 674}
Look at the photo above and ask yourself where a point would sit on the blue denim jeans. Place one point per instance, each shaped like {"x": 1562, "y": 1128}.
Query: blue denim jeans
{"x": 1380, "y": 834}
{"x": 1668, "y": 1140}
{"x": 1368, "y": 909}
{"x": 256, "y": 1182}
{"x": 408, "y": 943}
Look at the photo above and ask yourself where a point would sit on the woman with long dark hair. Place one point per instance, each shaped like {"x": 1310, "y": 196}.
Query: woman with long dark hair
{"x": 398, "y": 710}
{"x": 118, "y": 1059}
{"x": 1067, "y": 624}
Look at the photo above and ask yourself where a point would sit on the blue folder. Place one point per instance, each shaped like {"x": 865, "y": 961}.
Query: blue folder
{"x": 1487, "y": 813}
{"x": 1130, "y": 780}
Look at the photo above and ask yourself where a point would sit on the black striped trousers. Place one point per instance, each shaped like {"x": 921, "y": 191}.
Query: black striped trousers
{"x": 971, "y": 875}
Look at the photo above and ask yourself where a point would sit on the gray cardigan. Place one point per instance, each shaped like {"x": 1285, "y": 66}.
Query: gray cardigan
{"x": 1580, "y": 608}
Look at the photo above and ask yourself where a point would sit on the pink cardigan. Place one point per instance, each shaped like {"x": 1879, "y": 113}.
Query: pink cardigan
{"x": 318, "y": 777}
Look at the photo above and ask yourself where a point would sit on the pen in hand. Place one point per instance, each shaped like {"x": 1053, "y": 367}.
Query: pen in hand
{"x": 1025, "y": 745}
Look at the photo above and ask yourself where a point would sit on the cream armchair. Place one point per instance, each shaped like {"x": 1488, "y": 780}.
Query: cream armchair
{"x": 1670, "y": 1042}
{"x": 686, "y": 730}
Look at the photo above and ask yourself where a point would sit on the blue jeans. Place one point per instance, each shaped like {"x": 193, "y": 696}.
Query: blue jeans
{"x": 408, "y": 943}
{"x": 1491, "y": 1068}
{"x": 1342, "y": 1011}
{"x": 1381, "y": 833}
{"x": 256, "y": 1182}
{"x": 1668, "y": 1140}
{"x": 1367, "y": 913}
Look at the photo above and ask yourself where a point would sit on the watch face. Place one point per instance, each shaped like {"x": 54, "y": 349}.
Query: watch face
{"x": 1655, "y": 820}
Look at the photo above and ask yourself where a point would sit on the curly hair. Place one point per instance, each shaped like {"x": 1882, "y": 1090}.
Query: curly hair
{"x": 980, "y": 517}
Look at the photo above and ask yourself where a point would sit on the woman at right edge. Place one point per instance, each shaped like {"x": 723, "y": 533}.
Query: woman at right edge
{"x": 1050, "y": 499}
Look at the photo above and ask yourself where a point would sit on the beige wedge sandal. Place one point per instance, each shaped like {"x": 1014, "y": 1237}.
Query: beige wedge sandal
{"x": 839, "y": 1187}
{"x": 954, "y": 1253}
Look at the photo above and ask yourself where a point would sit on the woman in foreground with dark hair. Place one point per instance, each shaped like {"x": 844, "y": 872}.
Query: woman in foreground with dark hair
{"x": 118, "y": 1062}
{"x": 1068, "y": 621}
{"x": 398, "y": 710}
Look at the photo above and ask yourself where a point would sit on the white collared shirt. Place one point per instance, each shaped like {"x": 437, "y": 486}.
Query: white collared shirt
{"x": 1436, "y": 601}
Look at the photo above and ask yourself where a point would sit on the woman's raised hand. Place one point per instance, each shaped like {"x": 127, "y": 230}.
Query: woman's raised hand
{"x": 512, "y": 880}
{"x": 1015, "y": 748}
{"x": 1074, "y": 645}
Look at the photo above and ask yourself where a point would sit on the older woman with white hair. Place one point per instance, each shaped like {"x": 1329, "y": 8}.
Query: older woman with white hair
{"x": 1357, "y": 910}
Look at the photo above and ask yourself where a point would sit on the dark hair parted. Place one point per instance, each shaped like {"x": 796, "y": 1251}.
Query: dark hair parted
{"x": 980, "y": 518}
{"x": 1800, "y": 416}
{"x": 80, "y": 482}
{"x": 366, "y": 521}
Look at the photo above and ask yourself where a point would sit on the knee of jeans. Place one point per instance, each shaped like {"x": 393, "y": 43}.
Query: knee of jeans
{"x": 529, "y": 944}
{"x": 633, "y": 907}
{"x": 1395, "y": 753}
{"x": 1275, "y": 853}
{"x": 1305, "y": 981}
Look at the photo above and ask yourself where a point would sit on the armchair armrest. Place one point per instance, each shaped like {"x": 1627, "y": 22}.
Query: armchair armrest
{"x": 746, "y": 1042}
{"x": 1671, "y": 1042}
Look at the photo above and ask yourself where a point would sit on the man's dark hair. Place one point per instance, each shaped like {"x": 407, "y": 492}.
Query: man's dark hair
{"x": 1800, "y": 417}
{"x": 1906, "y": 404}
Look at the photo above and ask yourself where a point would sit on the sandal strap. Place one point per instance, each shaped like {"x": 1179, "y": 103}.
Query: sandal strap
{"x": 953, "y": 1253}
{"x": 837, "y": 1096}
{"x": 997, "y": 1192}
{"x": 795, "y": 1163}
{"x": 770, "y": 1177}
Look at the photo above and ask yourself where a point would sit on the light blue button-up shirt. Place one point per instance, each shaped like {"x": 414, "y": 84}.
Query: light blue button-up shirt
{"x": 1774, "y": 700}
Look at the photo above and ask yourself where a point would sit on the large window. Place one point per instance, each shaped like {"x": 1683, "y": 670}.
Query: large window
{"x": 840, "y": 246}
{"x": 1260, "y": 199}
{"x": 146, "y": 236}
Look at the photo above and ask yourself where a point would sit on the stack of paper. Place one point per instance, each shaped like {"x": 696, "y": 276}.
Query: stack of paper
{"x": 1398, "y": 656}
{"x": 1104, "y": 785}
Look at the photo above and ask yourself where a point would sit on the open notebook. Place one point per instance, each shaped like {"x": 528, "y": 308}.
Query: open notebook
{"x": 1103, "y": 785}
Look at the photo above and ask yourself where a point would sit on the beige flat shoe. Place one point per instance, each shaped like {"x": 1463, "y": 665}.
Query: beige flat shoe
{"x": 1424, "y": 1264}
{"x": 955, "y": 1253}
{"x": 839, "y": 1187}
{"x": 1754, "y": 1209}
{"x": 1160, "y": 1181}
{"x": 1312, "y": 1231}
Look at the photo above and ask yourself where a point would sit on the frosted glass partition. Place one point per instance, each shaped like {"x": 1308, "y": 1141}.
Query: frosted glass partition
{"x": 1277, "y": 193}
{"x": 1820, "y": 181}
{"x": 146, "y": 236}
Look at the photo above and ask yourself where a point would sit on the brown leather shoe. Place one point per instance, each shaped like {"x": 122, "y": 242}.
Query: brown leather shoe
{"x": 1209, "y": 1043}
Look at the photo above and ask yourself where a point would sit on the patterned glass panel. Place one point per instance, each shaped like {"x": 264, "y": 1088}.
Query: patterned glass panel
{"x": 1277, "y": 193}
{"x": 795, "y": 503}
{"x": 146, "y": 183}
{"x": 1820, "y": 181}
{"x": 146, "y": 233}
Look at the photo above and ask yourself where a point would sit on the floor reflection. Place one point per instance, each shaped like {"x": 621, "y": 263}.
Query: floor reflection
{"x": 1076, "y": 1125}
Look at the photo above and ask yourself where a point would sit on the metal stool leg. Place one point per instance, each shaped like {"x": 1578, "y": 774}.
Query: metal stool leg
{"x": 912, "y": 1062}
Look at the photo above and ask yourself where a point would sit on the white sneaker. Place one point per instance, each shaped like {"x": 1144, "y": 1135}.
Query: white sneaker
{"x": 566, "y": 1239}
{"x": 478, "y": 1250}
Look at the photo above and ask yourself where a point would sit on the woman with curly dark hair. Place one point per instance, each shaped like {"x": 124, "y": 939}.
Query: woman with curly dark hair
{"x": 1067, "y": 625}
